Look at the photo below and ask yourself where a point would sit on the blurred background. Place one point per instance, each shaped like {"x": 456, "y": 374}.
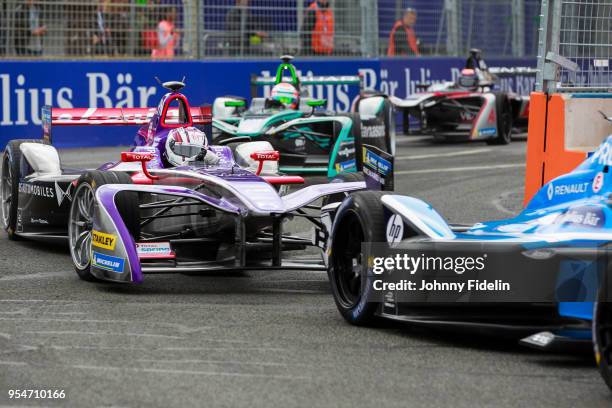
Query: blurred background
{"x": 203, "y": 29}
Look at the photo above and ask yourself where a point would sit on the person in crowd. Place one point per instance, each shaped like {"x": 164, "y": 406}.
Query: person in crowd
{"x": 101, "y": 38}
{"x": 403, "y": 40}
{"x": 119, "y": 23}
{"x": 245, "y": 31}
{"x": 3, "y": 28}
{"x": 80, "y": 19}
{"x": 167, "y": 36}
{"x": 318, "y": 29}
{"x": 29, "y": 29}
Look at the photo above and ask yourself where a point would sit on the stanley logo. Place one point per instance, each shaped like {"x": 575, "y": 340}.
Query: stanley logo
{"x": 102, "y": 240}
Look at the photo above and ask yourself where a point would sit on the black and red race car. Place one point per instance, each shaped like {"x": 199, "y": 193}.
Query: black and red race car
{"x": 470, "y": 108}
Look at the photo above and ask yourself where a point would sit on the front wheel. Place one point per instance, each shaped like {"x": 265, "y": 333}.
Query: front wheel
{"x": 360, "y": 219}
{"x": 81, "y": 219}
{"x": 503, "y": 112}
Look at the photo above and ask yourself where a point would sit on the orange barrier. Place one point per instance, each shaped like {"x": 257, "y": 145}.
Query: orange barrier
{"x": 546, "y": 154}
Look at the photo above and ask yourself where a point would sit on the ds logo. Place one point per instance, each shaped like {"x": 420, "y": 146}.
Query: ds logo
{"x": 395, "y": 229}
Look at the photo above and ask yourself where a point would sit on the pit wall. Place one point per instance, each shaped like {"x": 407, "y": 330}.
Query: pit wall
{"x": 27, "y": 85}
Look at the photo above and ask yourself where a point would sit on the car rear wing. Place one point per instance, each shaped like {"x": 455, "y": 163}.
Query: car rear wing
{"x": 351, "y": 80}
{"x": 201, "y": 115}
{"x": 512, "y": 71}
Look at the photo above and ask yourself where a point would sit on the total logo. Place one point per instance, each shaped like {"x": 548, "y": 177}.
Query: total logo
{"x": 565, "y": 189}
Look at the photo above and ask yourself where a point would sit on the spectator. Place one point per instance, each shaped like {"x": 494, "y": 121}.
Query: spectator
{"x": 245, "y": 31}
{"x": 167, "y": 37}
{"x": 318, "y": 29}
{"x": 403, "y": 40}
{"x": 101, "y": 33}
{"x": 3, "y": 23}
{"x": 29, "y": 29}
{"x": 120, "y": 22}
{"x": 80, "y": 20}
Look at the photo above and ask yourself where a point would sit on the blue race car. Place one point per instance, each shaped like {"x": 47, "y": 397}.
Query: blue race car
{"x": 567, "y": 223}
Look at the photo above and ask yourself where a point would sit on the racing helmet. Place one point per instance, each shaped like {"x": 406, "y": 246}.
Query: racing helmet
{"x": 186, "y": 145}
{"x": 286, "y": 94}
{"x": 468, "y": 78}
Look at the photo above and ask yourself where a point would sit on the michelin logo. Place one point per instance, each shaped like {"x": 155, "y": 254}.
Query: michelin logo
{"x": 107, "y": 262}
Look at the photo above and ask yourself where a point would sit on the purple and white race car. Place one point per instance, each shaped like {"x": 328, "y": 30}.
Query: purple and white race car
{"x": 173, "y": 203}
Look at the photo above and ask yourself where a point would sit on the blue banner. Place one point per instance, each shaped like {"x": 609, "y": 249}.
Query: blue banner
{"x": 26, "y": 86}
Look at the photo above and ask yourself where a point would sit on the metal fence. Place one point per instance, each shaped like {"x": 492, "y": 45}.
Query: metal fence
{"x": 262, "y": 28}
{"x": 575, "y": 46}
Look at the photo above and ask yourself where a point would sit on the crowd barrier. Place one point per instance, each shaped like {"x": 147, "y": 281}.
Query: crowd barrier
{"x": 26, "y": 86}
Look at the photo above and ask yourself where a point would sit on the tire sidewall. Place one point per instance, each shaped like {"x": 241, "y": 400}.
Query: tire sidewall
{"x": 362, "y": 311}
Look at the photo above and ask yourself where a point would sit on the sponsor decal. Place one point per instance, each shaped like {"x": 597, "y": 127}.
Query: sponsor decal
{"x": 492, "y": 117}
{"x": 152, "y": 250}
{"x": 38, "y": 221}
{"x": 583, "y": 216}
{"x": 466, "y": 116}
{"x": 102, "y": 240}
{"x": 19, "y": 225}
{"x": 36, "y": 190}
{"x": 61, "y": 194}
{"x": 373, "y": 132}
{"x": 107, "y": 262}
{"x": 347, "y": 165}
{"x": 346, "y": 149}
{"x": 376, "y": 162}
{"x": 487, "y": 132}
{"x": 566, "y": 189}
{"x": 603, "y": 155}
{"x": 550, "y": 192}
{"x": 395, "y": 229}
{"x": 598, "y": 182}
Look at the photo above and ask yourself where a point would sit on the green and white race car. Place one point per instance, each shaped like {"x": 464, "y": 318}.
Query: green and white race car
{"x": 310, "y": 139}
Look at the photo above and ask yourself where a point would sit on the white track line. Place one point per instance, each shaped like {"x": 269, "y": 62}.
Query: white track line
{"x": 91, "y": 333}
{"x": 462, "y": 169}
{"x": 465, "y": 152}
{"x": 190, "y": 372}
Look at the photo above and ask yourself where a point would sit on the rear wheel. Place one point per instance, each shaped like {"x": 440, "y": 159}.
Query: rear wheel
{"x": 602, "y": 336}
{"x": 503, "y": 112}
{"x": 9, "y": 184}
{"x": 360, "y": 219}
{"x": 81, "y": 219}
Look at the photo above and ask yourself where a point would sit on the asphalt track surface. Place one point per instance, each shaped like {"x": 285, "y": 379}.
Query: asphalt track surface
{"x": 272, "y": 339}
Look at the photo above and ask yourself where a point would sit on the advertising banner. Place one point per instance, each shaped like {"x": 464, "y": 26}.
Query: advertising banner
{"x": 26, "y": 86}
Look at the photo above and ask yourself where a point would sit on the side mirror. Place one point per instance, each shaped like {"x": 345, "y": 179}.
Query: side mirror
{"x": 130, "y": 157}
{"x": 143, "y": 158}
{"x": 262, "y": 157}
{"x": 235, "y": 104}
{"x": 316, "y": 103}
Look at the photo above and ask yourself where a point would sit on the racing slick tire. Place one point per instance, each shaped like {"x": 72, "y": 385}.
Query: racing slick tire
{"x": 360, "y": 219}
{"x": 503, "y": 113}
{"x": 82, "y": 212}
{"x": 602, "y": 335}
{"x": 9, "y": 186}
